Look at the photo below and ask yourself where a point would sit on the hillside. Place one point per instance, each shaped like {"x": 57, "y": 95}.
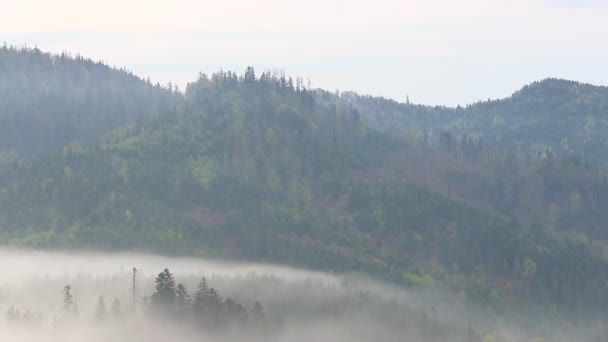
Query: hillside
{"x": 50, "y": 101}
{"x": 258, "y": 167}
{"x": 566, "y": 117}
{"x": 566, "y": 194}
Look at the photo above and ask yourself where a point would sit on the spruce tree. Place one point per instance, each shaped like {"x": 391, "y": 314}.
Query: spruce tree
{"x": 68, "y": 301}
{"x": 201, "y": 293}
{"x": 214, "y": 306}
{"x": 164, "y": 297}
{"x": 182, "y": 300}
{"x": 234, "y": 313}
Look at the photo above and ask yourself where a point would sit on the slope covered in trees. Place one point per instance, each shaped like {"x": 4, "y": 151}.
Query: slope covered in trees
{"x": 49, "y": 101}
{"x": 568, "y": 118}
{"x": 261, "y": 168}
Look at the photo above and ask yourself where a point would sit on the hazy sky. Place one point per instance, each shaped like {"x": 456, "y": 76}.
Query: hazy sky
{"x": 437, "y": 51}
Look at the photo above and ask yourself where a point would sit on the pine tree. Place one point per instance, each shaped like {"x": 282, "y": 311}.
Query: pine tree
{"x": 208, "y": 304}
{"x": 68, "y": 301}
{"x": 249, "y": 75}
{"x": 164, "y": 297}
{"x": 182, "y": 300}
{"x": 201, "y": 293}
{"x": 234, "y": 313}
{"x": 214, "y": 306}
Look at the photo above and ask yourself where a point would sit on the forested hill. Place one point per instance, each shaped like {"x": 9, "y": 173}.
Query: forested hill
{"x": 258, "y": 167}
{"x": 48, "y": 101}
{"x": 566, "y": 117}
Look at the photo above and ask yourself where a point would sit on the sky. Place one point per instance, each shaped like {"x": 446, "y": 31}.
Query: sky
{"x": 436, "y": 52}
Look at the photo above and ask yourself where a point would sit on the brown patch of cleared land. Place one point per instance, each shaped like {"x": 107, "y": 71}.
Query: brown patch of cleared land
{"x": 435, "y": 170}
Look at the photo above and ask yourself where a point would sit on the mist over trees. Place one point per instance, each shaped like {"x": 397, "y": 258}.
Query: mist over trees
{"x": 292, "y": 305}
{"x": 281, "y": 305}
{"x": 170, "y": 302}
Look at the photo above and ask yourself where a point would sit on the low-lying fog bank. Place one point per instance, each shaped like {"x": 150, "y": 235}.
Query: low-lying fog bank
{"x": 297, "y": 305}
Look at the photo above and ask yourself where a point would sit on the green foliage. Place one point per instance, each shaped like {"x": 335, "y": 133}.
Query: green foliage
{"x": 49, "y": 101}
{"x": 564, "y": 116}
{"x": 208, "y": 310}
{"x": 68, "y": 301}
{"x": 164, "y": 298}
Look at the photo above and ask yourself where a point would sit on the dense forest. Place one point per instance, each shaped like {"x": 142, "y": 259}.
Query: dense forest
{"x": 566, "y": 117}
{"x": 567, "y": 194}
{"x": 261, "y": 167}
{"x": 51, "y": 101}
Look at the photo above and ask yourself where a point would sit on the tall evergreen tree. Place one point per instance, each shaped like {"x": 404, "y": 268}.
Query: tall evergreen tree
{"x": 201, "y": 293}
{"x": 234, "y": 313}
{"x": 68, "y": 301}
{"x": 182, "y": 300}
{"x": 215, "y": 306}
{"x": 165, "y": 296}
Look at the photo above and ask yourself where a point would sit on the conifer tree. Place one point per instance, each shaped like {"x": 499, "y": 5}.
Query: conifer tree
{"x": 234, "y": 312}
{"x": 164, "y": 297}
{"x": 182, "y": 300}
{"x": 68, "y": 301}
{"x": 214, "y": 306}
{"x": 201, "y": 293}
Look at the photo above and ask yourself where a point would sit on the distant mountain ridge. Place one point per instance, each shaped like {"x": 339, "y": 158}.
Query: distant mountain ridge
{"x": 566, "y": 117}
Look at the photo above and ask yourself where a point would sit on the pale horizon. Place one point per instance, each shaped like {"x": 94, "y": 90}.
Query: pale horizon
{"x": 434, "y": 52}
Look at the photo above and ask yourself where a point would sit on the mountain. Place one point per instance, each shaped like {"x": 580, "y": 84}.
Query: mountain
{"x": 566, "y": 117}
{"x": 569, "y": 118}
{"x": 259, "y": 167}
{"x": 49, "y": 101}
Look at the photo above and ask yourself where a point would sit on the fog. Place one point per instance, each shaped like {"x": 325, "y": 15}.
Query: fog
{"x": 299, "y": 305}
